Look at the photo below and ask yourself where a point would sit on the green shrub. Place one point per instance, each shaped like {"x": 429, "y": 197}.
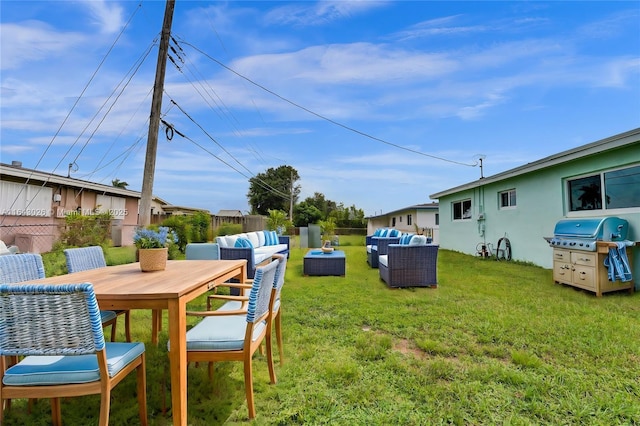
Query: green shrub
{"x": 229, "y": 229}
{"x": 200, "y": 223}
{"x": 86, "y": 230}
{"x": 182, "y": 228}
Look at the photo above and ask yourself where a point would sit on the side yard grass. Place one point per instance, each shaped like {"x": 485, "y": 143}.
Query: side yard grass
{"x": 495, "y": 343}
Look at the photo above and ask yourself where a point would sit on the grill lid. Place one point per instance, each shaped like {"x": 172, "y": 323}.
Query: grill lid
{"x": 599, "y": 228}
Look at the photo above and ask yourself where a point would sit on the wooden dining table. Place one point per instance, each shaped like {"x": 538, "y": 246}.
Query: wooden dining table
{"x": 126, "y": 287}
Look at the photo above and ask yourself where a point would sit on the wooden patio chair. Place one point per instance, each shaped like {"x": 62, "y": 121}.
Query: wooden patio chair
{"x": 84, "y": 258}
{"x": 58, "y": 331}
{"x": 235, "y": 335}
{"x": 240, "y": 303}
{"x": 29, "y": 267}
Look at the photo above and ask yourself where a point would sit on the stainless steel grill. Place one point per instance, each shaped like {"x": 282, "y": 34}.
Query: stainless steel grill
{"x": 583, "y": 233}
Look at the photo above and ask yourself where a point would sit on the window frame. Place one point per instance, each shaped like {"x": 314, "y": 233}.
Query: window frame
{"x": 511, "y": 197}
{"x": 601, "y": 176}
{"x": 461, "y": 203}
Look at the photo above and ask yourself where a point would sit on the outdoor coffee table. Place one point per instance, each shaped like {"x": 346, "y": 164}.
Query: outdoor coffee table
{"x": 316, "y": 262}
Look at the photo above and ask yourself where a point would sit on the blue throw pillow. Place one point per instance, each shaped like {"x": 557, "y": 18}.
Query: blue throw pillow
{"x": 274, "y": 238}
{"x": 383, "y": 233}
{"x": 267, "y": 238}
{"x": 243, "y": 242}
{"x": 377, "y": 232}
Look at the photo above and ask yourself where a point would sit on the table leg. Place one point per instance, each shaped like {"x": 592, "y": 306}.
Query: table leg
{"x": 156, "y": 325}
{"x": 178, "y": 361}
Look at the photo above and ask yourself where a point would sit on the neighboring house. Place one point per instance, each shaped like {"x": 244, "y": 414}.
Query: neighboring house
{"x": 33, "y": 206}
{"x": 227, "y": 216}
{"x": 594, "y": 180}
{"x": 421, "y": 218}
{"x": 161, "y": 210}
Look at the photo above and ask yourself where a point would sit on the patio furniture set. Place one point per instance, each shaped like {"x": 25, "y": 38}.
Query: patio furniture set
{"x": 85, "y": 364}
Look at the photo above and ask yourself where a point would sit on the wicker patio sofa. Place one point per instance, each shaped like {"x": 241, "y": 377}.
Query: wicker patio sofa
{"x": 410, "y": 266}
{"x": 256, "y": 247}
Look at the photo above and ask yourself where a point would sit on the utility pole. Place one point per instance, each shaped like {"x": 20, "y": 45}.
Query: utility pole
{"x": 291, "y": 199}
{"x": 144, "y": 215}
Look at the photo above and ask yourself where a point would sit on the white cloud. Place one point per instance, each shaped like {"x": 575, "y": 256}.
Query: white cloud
{"x": 319, "y": 13}
{"x": 32, "y": 41}
{"x": 106, "y": 15}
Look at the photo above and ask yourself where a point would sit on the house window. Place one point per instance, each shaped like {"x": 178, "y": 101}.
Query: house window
{"x": 615, "y": 189}
{"x": 19, "y": 199}
{"x": 114, "y": 205}
{"x": 393, "y": 221}
{"x": 462, "y": 210}
{"x": 437, "y": 218}
{"x": 507, "y": 198}
{"x": 409, "y": 221}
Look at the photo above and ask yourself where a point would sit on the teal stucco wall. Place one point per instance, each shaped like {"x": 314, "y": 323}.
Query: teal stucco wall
{"x": 541, "y": 202}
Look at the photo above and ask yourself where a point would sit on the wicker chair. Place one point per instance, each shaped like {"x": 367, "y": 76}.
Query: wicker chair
{"x": 84, "y": 258}
{"x": 379, "y": 247}
{"x": 410, "y": 266}
{"x": 235, "y": 335}
{"x": 21, "y": 267}
{"x": 64, "y": 351}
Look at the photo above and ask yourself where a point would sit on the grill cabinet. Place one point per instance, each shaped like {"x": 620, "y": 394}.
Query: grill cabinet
{"x": 580, "y": 247}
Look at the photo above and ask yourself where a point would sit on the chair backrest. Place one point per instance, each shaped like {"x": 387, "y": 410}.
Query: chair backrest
{"x": 260, "y": 293}
{"x": 83, "y": 258}
{"x": 21, "y": 267}
{"x": 202, "y": 251}
{"x": 279, "y": 278}
{"x": 49, "y": 320}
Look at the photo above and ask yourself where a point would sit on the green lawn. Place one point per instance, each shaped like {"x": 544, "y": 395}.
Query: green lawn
{"x": 495, "y": 343}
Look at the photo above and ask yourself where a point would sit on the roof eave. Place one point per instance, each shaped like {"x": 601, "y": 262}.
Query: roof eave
{"x": 29, "y": 174}
{"x": 583, "y": 151}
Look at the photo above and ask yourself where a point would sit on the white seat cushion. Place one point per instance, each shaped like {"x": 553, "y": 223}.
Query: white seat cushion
{"x": 382, "y": 260}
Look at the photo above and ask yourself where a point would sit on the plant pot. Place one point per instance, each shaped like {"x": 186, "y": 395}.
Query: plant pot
{"x": 153, "y": 259}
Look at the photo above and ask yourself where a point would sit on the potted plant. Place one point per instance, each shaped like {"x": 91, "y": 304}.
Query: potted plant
{"x": 153, "y": 246}
{"x": 328, "y": 228}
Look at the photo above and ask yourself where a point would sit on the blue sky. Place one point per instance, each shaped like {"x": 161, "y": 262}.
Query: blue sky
{"x": 377, "y": 104}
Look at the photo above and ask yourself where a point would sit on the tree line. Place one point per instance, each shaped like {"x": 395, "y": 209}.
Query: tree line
{"x": 276, "y": 189}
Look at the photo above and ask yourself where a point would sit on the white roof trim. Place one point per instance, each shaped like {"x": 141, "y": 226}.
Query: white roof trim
{"x": 613, "y": 142}
{"x": 34, "y": 175}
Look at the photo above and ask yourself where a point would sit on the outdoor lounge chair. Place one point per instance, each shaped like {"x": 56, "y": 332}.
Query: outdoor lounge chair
{"x": 84, "y": 258}
{"x": 410, "y": 266}
{"x": 235, "y": 335}
{"x": 379, "y": 247}
{"x": 63, "y": 346}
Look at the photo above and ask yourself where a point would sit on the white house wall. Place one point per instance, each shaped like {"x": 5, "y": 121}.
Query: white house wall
{"x": 540, "y": 203}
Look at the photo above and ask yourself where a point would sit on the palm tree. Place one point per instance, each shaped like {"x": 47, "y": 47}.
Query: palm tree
{"x": 119, "y": 184}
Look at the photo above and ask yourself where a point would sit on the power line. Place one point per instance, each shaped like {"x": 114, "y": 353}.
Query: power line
{"x": 323, "y": 117}
{"x": 262, "y": 183}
